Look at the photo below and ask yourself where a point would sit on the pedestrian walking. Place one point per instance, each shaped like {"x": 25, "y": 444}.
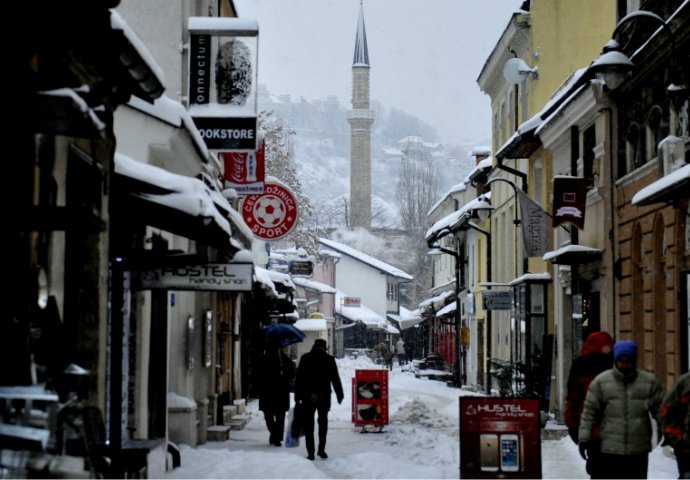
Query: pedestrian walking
{"x": 622, "y": 401}
{"x": 675, "y": 422}
{"x": 316, "y": 373}
{"x": 596, "y": 355}
{"x": 400, "y": 351}
{"x": 276, "y": 377}
{"x": 385, "y": 354}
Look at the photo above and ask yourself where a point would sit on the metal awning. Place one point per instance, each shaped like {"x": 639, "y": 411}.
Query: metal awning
{"x": 531, "y": 278}
{"x": 573, "y": 255}
{"x": 674, "y": 186}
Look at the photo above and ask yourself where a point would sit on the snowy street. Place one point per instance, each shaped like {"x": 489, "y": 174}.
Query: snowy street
{"x": 421, "y": 441}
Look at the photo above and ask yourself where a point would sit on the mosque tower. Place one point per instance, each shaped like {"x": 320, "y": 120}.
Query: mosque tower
{"x": 360, "y": 119}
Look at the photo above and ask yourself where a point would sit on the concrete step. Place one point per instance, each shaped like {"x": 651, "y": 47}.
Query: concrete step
{"x": 218, "y": 433}
{"x": 238, "y": 422}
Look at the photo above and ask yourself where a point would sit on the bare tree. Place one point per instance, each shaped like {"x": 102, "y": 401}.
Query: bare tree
{"x": 419, "y": 185}
{"x": 280, "y": 164}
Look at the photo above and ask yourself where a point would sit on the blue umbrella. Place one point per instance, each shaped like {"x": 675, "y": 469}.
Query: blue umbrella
{"x": 285, "y": 333}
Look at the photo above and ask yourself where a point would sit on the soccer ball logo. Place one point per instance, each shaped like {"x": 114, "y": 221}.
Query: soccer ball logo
{"x": 269, "y": 211}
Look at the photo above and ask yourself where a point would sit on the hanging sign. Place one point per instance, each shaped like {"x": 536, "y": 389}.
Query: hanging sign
{"x": 271, "y": 215}
{"x": 569, "y": 200}
{"x": 245, "y": 171}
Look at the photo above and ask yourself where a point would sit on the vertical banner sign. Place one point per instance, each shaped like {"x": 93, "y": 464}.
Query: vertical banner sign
{"x": 535, "y": 226}
{"x": 499, "y": 438}
{"x": 245, "y": 171}
{"x": 200, "y": 69}
{"x": 569, "y": 200}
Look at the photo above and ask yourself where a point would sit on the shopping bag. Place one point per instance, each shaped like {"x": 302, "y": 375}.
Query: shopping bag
{"x": 296, "y": 421}
{"x": 291, "y": 440}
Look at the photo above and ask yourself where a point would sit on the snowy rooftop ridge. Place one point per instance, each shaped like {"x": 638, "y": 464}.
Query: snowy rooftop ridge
{"x": 364, "y": 258}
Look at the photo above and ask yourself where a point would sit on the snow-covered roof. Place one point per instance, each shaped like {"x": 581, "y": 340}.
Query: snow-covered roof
{"x": 361, "y": 313}
{"x": 454, "y": 218}
{"x": 261, "y": 276}
{"x": 457, "y": 188}
{"x": 437, "y": 301}
{"x": 364, "y": 258}
{"x": 673, "y": 180}
{"x": 481, "y": 166}
{"x": 282, "y": 278}
{"x": 571, "y": 250}
{"x": 313, "y": 285}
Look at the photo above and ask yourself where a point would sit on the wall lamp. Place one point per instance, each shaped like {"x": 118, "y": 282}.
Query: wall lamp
{"x": 612, "y": 66}
{"x": 483, "y": 209}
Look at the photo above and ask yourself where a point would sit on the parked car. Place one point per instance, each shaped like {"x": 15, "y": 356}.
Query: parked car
{"x": 433, "y": 361}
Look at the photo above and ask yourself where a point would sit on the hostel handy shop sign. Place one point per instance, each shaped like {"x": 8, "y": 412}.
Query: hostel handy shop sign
{"x": 213, "y": 276}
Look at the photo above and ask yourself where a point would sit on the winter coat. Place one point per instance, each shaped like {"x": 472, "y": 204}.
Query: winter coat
{"x": 276, "y": 376}
{"x": 316, "y": 372}
{"x": 675, "y": 415}
{"x": 622, "y": 406}
{"x": 595, "y": 356}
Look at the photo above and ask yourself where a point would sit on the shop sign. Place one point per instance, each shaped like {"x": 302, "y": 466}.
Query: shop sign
{"x": 245, "y": 171}
{"x": 497, "y": 300}
{"x": 214, "y": 276}
{"x": 273, "y": 214}
{"x": 352, "y": 301}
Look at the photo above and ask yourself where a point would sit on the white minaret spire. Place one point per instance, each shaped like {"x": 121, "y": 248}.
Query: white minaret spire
{"x": 360, "y": 118}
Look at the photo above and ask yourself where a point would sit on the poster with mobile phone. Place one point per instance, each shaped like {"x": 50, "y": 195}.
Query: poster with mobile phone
{"x": 510, "y": 452}
{"x": 500, "y": 438}
{"x": 488, "y": 452}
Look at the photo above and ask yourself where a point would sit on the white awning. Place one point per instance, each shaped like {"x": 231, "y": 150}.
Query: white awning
{"x": 572, "y": 255}
{"x": 450, "y": 308}
{"x": 311, "y": 324}
{"x": 675, "y": 185}
{"x": 313, "y": 285}
{"x": 411, "y": 319}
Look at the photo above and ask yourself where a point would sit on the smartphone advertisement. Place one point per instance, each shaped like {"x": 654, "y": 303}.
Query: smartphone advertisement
{"x": 499, "y": 438}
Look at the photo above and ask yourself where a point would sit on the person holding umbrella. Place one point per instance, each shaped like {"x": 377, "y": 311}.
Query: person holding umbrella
{"x": 276, "y": 375}
{"x": 316, "y": 372}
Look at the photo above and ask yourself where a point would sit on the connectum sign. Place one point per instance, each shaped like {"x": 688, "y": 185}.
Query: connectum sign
{"x": 271, "y": 215}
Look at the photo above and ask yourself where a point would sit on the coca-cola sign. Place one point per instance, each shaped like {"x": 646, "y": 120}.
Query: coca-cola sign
{"x": 245, "y": 171}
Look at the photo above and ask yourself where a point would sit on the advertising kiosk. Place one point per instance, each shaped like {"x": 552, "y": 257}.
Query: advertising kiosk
{"x": 370, "y": 399}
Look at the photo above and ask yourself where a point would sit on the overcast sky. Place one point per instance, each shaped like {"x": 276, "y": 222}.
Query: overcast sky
{"x": 425, "y": 56}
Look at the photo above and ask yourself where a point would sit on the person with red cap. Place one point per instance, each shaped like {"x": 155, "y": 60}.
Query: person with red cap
{"x": 595, "y": 356}
{"x": 621, "y": 401}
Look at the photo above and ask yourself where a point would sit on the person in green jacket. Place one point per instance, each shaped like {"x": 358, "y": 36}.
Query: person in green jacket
{"x": 622, "y": 401}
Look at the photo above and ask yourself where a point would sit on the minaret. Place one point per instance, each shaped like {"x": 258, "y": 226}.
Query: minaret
{"x": 360, "y": 119}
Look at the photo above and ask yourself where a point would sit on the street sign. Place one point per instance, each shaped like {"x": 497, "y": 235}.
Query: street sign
{"x": 497, "y": 299}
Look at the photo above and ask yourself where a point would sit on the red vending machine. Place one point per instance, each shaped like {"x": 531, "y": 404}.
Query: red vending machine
{"x": 370, "y": 399}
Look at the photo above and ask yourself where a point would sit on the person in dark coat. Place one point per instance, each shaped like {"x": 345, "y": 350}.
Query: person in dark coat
{"x": 276, "y": 376}
{"x": 596, "y": 355}
{"x": 316, "y": 372}
{"x": 622, "y": 401}
{"x": 675, "y": 422}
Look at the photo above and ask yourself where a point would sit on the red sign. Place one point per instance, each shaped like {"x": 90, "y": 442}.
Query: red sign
{"x": 245, "y": 171}
{"x": 272, "y": 215}
{"x": 500, "y": 438}
{"x": 370, "y": 398}
{"x": 569, "y": 200}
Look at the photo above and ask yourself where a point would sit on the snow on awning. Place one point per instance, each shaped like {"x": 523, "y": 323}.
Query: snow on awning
{"x": 437, "y": 301}
{"x": 172, "y": 193}
{"x": 311, "y": 324}
{"x": 450, "y": 308}
{"x": 261, "y": 276}
{"x": 674, "y": 186}
{"x": 65, "y": 111}
{"x": 138, "y": 61}
{"x": 572, "y": 255}
{"x": 283, "y": 279}
{"x": 453, "y": 221}
{"x": 313, "y": 285}
{"x": 531, "y": 278}
{"x": 411, "y": 319}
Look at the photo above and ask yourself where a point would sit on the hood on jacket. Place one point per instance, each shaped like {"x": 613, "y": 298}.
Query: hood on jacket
{"x": 597, "y": 343}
